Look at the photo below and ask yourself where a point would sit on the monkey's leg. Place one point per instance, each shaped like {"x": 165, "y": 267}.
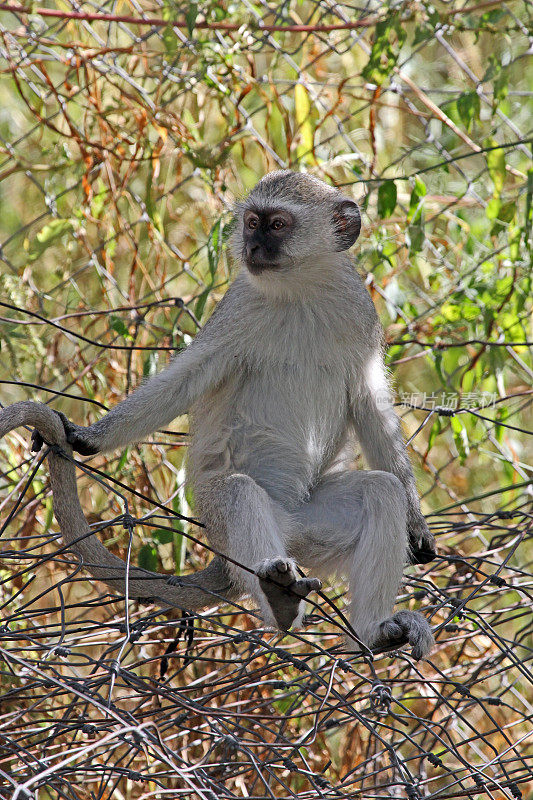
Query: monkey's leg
{"x": 243, "y": 522}
{"x": 355, "y": 524}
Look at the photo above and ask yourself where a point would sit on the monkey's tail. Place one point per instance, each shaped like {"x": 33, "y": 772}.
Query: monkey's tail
{"x": 196, "y": 591}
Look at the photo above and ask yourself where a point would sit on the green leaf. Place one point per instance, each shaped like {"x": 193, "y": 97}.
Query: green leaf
{"x": 415, "y": 206}
{"x": 151, "y": 208}
{"x": 434, "y": 432}
{"x": 98, "y": 202}
{"x": 451, "y": 312}
{"x": 88, "y": 388}
{"x": 468, "y": 107}
{"x": 460, "y": 437}
{"x": 119, "y": 326}
{"x": 302, "y": 111}
{"x": 501, "y": 86}
{"x": 489, "y": 19}
{"x": 190, "y": 18}
{"x": 437, "y": 357}
{"x": 503, "y": 286}
{"x": 199, "y": 307}
{"x": 493, "y": 68}
{"x": 469, "y": 309}
{"x": 515, "y": 237}
{"x": 52, "y": 232}
{"x": 163, "y": 536}
{"x": 501, "y": 415}
{"x": 450, "y": 109}
{"x": 528, "y": 215}
{"x": 416, "y": 236}
{"x": 213, "y": 247}
{"x": 387, "y": 196}
{"x": 507, "y": 211}
{"x": 422, "y": 34}
{"x": 170, "y": 40}
{"x": 180, "y": 550}
{"x": 389, "y": 36}
{"x": 420, "y": 187}
{"x": 150, "y": 364}
{"x": 189, "y": 496}
{"x": 147, "y": 558}
{"x": 122, "y": 461}
{"x": 282, "y": 704}
{"x": 493, "y": 208}
{"x": 49, "y": 515}
{"x": 496, "y": 165}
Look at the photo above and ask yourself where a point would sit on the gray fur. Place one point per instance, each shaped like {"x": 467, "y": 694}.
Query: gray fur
{"x": 194, "y": 592}
{"x": 287, "y": 369}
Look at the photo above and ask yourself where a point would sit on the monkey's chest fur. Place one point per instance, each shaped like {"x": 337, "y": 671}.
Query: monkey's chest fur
{"x": 282, "y": 414}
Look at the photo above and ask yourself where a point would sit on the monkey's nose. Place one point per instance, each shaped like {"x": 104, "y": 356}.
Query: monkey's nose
{"x": 252, "y": 249}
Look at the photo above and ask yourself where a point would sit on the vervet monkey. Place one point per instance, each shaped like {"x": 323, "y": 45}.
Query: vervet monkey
{"x": 289, "y": 365}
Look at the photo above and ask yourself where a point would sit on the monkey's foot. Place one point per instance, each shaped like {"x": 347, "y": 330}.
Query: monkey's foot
{"x": 402, "y": 628}
{"x": 284, "y": 590}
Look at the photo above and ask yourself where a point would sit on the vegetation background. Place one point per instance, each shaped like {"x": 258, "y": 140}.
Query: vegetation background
{"x": 127, "y": 129}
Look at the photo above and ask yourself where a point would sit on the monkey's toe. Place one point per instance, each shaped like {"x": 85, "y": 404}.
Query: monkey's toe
{"x": 278, "y": 570}
{"x": 391, "y": 633}
{"x": 303, "y": 586}
{"x": 406, "y": 627}
{"x": 175, "y": 580}
{"x": 284, "y": 590}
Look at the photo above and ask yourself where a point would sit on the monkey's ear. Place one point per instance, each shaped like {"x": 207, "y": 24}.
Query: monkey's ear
{"x": 346, "y": 224}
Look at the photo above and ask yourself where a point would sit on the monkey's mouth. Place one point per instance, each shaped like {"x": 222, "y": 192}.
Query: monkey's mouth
{"x": 257, "y": 267}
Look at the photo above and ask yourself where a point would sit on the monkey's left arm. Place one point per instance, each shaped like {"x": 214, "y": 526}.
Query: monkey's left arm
{"x": 165, "y": 396}
{"x": 380, "y": 435}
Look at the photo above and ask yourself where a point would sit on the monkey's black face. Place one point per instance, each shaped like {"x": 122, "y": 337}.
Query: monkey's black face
{"x": 265, "y": 234}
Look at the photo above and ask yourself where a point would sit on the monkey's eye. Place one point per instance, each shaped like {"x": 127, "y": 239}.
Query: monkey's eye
{"x": 252, "y": 223}
{"x": 277, "y": 224}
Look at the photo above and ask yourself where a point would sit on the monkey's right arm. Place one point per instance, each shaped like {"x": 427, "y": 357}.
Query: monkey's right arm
{"x": 158, "y": 401}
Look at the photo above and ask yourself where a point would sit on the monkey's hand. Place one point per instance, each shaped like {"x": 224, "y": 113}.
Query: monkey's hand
{"x": 421, "y": 541}
{"x": 77, "y": 436}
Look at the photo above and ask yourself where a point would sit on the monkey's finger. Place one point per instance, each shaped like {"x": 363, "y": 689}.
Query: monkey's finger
{"x": 37, "y": 441}
{"x": 306, "y": 585}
